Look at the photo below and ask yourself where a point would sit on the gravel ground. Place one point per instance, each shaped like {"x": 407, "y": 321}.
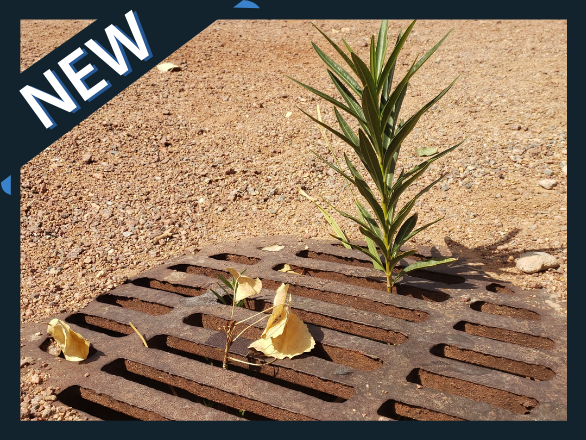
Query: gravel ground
{"x": 209, "y": 154}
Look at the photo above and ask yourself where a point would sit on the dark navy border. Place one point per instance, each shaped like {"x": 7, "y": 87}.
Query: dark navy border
{"x": 21, "y": 141}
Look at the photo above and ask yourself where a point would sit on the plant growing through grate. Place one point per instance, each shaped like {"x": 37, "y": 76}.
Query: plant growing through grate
{"x": 285, "y": 335}
{"x": 373, "y": 103}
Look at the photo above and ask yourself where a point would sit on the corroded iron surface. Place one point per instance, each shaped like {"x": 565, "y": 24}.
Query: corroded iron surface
{"x": 447, "y": 344}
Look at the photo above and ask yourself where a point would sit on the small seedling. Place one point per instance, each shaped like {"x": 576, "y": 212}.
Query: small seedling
{"x": 274, "y": 342}
{"x": 375, "y": 106}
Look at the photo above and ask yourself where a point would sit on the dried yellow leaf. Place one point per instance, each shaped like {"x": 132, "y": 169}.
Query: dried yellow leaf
{"x": 285, "y": 334}
{"x": 273, "y": 248}
{"x": 74, "y": 346}
{"x": 246, "y": 285}
{"x": 286, "y": 268}
{"x": 168, "y": 67}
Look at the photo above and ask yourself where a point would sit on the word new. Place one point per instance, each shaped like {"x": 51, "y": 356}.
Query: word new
{"x": 119, "y": 63}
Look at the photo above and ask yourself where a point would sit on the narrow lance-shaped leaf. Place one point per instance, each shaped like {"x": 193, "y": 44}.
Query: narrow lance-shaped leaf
{"x": 365, "y": 191}
{"x": 388, "y": 77}
{"x": 372, "y": 118}
{"x": 339, "y": 71}
{"x": 340, "y": 51}
{"x": 429, "y": 161}
{"x": 395, "y": 53}
{"x": 372, "y": 57}
{"x": 327, "y": 127}
{"x": 326, "y": 215}
{"x": 410, "y": 124}
{"x": 390, "y": 103}
{"x": 418, "y": 230}
{"x": 370, "y": 159}
{"x": 421, "y": 264}
{"x": 349, "y": 98}
{"x": 373, "y": 256}
{"x": 404, "y": 232}
{"x": 381, "y": 48}
{"x": 348, "y": 132}
{"x": 365, "y": 76}
{"x": 324, "y": 96}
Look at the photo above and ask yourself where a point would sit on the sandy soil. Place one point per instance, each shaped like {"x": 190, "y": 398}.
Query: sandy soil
{"x": 210, "y": 152}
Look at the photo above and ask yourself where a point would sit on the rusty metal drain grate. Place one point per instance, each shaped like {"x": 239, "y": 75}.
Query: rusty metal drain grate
{"x": 447, "y": 344}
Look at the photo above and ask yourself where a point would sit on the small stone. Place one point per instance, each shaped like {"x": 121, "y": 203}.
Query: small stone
{"x": 220, "y": 208}
{"x": 273, "y": 211}
{"x": 87, "y": 158}
{"x": 533, "y": 262}
{"x": 26, "y": 361}
{"x": 547, "y": 172}
{"x": 47, "y": 412}
{"x": 166, "y": 112}
{"x": 548, "y": 183}
{"x": 86, "y": 375}
{"x": 54, "y": 350}
{"x": 36, "y": 379}
{"x": 565, "y": 170}
{"x": 445, "y": 187}
{"x": 127, "y": 234}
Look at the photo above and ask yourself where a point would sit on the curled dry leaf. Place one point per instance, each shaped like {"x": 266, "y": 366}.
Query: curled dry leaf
{"x": 168, "y": 67}
{"x": 285, "y": 334}
{"x": 246, "y": 285}
{"x": 287, "y": 269}
{"x": 74, "y": 346}
{"x": 273, "y": 248}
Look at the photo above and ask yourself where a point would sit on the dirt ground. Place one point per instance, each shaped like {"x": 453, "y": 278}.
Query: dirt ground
{"x": 210, "y": 154}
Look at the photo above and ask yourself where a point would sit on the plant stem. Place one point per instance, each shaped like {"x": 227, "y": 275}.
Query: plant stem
{"x": 230, "y": 328}
{"x": 229, "y": 334}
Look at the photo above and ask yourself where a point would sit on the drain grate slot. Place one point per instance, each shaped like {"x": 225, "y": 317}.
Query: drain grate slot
{"x": 333, "y": 297}
{"x": 530, "y": 371}
{"x": 370, "y": 283}
{"x": 196, "y": 392}
{"x": 311, "y": 385}
{"x": 326, "y": 352}
{"x": 499, "y": 309}
{"x": 101, "y": 325}
{"x": 352, "y": 301}
{"x": 338, "y": 324}
{"x": 504, "y": 335}
{"x": 402, "y": 411}
{"x": 134, "y": 304}
{"x": 492, "y": 396}
{"x": 499, "y": 288}
{"x": 233, "y": 258}
{"x": 169, "y": 287}
{"x": 103, "y": 406}
{"x": 428, "y": 275}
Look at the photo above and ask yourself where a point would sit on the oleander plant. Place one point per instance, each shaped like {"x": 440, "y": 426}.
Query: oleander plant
{"x": 367, "y": 96}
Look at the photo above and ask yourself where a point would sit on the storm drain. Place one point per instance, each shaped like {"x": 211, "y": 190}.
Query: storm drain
{"x": 447, "y": 344}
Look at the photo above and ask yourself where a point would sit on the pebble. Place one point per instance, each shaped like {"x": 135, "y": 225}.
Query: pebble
{"x": 87, "y": 158}
{"x": 547, "y": 172}
{"x": 36, "y": 379}
{"x": 533, "y": 262}
{"x": 565, "y": 170}
{"x": 548, "y": 183}
{"x": 26, "y": 361}
{"x": 127, "y": 234}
